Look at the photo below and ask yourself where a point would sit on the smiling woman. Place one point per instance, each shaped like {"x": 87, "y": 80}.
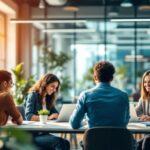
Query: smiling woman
{"x": 42, "y": 96}
{"x": 143, "y": 108}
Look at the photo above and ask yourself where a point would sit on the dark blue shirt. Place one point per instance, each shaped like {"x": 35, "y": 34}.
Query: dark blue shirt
{"x": 33, "y": 105}
{"x": 103, "y": 105}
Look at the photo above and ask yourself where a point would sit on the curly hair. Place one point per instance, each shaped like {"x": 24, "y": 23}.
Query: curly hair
{"x": 40, "y": 88}
{"x": 104, "y": 71}
{"x": 144, "y": 93}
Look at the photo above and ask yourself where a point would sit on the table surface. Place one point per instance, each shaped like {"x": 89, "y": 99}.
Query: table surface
{"x": 64, "y": 127}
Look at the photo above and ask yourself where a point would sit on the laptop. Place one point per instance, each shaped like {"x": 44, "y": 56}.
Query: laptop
{"x": 65, "y": 112}
{"x": 133, "y": 114}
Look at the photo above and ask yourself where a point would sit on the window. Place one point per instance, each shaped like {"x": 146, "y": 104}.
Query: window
{"x": 2, "y": 40}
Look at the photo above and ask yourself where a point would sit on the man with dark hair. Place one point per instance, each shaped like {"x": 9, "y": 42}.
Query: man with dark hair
{"x": 103, "y": 104}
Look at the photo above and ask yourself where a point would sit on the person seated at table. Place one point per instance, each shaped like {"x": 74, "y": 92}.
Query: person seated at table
{"x": 143, "y": 108}
{"x": 103, "y": 104}
{"x": 42, "y": 96}
{"x": 7, "y": 105}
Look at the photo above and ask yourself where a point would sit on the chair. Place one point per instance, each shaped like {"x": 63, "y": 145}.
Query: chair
{"x": 107, "y": 138}
{"x": 21, "y": 110}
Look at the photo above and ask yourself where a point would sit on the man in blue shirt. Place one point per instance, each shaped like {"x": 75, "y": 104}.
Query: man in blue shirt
{"x": 103, "y": 104}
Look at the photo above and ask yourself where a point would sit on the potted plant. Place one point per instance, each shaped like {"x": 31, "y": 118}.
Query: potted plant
{"x": 22, "y": 85}
{"x": 15, "y": 139}
{"x": 43, "y": 115}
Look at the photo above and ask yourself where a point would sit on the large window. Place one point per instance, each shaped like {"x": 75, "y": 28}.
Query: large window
{"x": 2, "y": 40}
{"x": 125, "y": 44}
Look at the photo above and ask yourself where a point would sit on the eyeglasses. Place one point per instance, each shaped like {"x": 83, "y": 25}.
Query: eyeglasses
{"x": 11, "y": 84}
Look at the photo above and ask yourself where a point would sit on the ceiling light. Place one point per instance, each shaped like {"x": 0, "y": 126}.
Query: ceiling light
{"x": 130, "y": 20}
{"x": 42, "y": 20}
{"x": 131, "y": 58}
{"x": 113, "y": 12}
{"x": 68, "y": 30}
{"x": 126, "y": 3}
{"x": 144, "y": 7}
{"x": 56, "y": 2}
{"x": 71, "y": 6}
{"x": 42, "y": 4}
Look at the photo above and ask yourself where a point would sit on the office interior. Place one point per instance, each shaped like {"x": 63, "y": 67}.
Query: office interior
{"x": 67, "y": 37}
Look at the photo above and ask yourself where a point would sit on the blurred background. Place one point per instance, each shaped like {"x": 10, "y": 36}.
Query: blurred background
{"x": 67, "y": 37}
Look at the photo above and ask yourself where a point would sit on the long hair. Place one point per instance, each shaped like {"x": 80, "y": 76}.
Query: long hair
{"x": 144, "y": 93}
{"x": 40, "y": 88}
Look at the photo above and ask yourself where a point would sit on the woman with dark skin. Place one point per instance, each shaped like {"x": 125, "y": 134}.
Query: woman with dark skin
{"x": 42, "y": 96}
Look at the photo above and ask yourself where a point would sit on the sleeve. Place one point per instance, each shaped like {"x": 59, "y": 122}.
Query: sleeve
{"x": 127, "y": 112}
{"x": 79, "y": 112}
{"x": 139, "y": 108}
{"x": 11, "y": 108}
{"x": 53, "y": 110}
{"x": 29, "y": 106}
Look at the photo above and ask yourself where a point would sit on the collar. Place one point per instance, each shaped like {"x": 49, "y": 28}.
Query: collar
{"x": 103, "y": 84}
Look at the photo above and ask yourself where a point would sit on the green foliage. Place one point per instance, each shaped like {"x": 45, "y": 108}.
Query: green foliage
{"x": 22, "y": 85}
{"x": 56, "y": 63}
{"x": 16, "y": 139}
{"x": 89, "y": 74}
{"x": 122, "y": 70}
{"x": 43, "y": 112}
{"x": 66, "y": 84}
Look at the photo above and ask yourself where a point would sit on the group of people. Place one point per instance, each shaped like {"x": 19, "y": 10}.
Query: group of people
{"x": 103, "y": 105}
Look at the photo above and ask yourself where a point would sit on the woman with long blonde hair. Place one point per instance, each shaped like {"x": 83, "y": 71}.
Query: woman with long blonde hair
{"x": 143, "y": 109}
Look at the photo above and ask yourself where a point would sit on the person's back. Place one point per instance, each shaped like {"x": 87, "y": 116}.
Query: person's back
{"x": 104, "y": 105}
{"x": 7, "y": 108}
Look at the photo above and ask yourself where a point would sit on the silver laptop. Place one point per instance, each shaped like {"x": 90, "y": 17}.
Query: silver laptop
{"x": 65, "y": 112}
{"x": 133, "y": 114}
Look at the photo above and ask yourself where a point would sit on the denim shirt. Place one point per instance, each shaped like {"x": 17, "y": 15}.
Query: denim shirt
{"x": 32, "y": 105}
{"x": 103, "y": 105}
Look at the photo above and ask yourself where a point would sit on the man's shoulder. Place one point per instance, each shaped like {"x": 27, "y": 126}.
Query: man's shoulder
{"x": 121, "y": 92}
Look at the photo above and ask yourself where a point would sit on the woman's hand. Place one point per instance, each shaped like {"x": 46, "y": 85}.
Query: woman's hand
{"x": 145, "y": 118}
{"x": 53, "y": 116}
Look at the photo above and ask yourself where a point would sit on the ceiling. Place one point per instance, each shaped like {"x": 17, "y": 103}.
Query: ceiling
{"x": 97, "y": 36}
{"x": 35, "y": 3}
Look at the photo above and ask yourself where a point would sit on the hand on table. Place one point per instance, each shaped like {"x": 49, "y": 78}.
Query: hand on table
{"x": 145, "y": 118}
{"x": 53, "y": 116}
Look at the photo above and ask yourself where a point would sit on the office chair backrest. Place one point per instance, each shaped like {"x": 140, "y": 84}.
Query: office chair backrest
{"x": 107, "y": 138}
{"x": 22, "y": 111}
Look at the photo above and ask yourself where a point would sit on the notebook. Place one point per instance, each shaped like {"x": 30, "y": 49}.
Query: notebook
{"x": 133, "y": 114}
{"x": 65, "y": 112}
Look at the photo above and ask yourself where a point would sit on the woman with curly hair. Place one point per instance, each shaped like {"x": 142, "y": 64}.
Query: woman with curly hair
{"x": 42, "y": 96}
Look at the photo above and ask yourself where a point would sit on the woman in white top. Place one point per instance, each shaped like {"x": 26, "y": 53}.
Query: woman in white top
{"x": 143, "y": 109}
